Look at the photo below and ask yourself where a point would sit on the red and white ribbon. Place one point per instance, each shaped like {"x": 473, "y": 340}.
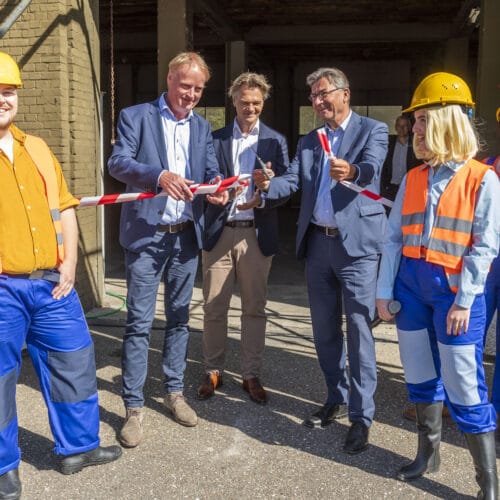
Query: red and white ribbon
{"x": 107, "y": 199}
{"x": 325, "y": 144}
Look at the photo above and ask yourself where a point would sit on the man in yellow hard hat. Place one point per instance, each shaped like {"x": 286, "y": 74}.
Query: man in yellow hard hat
{"x": 38, "y": 304}
{"x": 441, "y": 238}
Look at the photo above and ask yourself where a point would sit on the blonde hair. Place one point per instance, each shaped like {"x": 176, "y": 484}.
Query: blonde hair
{"x": 449, "y": 136}
{"x": 252, "y": 81}
{"x": 189, "y": 59}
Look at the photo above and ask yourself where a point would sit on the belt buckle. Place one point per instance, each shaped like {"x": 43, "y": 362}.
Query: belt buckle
{"x": 332, "y": 232}
{"x": 172, "y": 228}
{"x": 37, "y": 274}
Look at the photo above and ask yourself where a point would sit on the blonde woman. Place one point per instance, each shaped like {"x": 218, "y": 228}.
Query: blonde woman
{"x": 441, "y": 238}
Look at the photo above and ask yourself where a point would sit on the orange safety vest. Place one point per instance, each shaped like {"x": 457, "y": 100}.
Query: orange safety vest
{"x": 42, "y": 158}
{"x": 451, "y": 235}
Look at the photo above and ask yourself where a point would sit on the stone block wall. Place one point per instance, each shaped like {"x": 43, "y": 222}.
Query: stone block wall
{"x": 56, "y": 44}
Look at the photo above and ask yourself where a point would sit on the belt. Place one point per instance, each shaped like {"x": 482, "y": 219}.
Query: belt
{"x": 174, "y": 228}
{"x": 39, "y": 274}
{"x": 333, "y": 232}
{"x": 240, "y": 223}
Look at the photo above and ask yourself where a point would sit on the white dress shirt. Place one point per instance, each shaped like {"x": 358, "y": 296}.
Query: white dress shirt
{"x": 244, "y": 147}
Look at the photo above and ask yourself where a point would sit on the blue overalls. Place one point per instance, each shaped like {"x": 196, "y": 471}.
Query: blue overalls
{"x": 439, "y": 366}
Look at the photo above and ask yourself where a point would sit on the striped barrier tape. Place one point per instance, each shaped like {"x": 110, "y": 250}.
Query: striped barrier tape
{"x": 197, "y": 189}
{"x": 325, "y": 144}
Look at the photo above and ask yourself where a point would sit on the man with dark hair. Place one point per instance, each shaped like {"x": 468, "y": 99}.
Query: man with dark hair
{"x": 400, "y": 158}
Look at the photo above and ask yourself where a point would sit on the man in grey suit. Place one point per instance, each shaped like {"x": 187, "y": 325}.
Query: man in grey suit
{"x": 240, "y": 239}
{"x": 339, "y": 235}
{"x": 162, "y": 145}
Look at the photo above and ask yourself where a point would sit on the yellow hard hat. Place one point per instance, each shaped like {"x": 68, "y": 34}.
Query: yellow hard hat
{"x": 440, "y": 88}
{"x": 498, "y": 115}
{"x": 9, "y": 71}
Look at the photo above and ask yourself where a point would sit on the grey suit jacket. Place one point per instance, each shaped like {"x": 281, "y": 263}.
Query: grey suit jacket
{"x": 361, "y": 220}
{"x": 271, "y": 147}
{"x": 139, "y": 156}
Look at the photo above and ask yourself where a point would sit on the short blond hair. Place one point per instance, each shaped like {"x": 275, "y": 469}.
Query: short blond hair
{"x": 189, "y": 59}
{"x": 449, "y": 136}
{"x": 252, "y": 81}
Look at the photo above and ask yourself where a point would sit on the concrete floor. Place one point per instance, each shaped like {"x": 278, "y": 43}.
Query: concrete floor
{"x": 241, "y": 450}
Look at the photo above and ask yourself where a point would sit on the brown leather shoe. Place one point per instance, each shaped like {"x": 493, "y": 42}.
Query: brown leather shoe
{"x": 255, "y": 390}
{"x": 411, "y": 414}
{"x": 210, "y": 383}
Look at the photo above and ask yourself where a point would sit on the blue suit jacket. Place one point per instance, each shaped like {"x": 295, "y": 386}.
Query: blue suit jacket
{"x": 139, "y": 156}
{"x": 271, "y": 147}
{"x": 361, "y": 220}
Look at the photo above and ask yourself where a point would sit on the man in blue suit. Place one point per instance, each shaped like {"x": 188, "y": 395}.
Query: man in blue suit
{"x": 240, "y": 239}
{"x": 339, "y": 235}
{"x": 162, "y": 145}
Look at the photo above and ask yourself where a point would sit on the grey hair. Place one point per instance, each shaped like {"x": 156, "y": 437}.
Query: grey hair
{"x": 333, "y": 75}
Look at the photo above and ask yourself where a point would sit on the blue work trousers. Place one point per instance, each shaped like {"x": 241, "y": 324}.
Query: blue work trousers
{"x": 62, "y": 352}
{"x": 492, "y": 295}
{"x": 175, "y": 258}
{"x": 437, "y": 366}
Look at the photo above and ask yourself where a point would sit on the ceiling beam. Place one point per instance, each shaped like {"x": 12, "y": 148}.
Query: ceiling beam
{"x": 342, "y": 33}
{"x": 217, "y": 21}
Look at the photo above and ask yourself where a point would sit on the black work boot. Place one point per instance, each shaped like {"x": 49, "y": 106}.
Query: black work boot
{"x": 98, "y": 456}
{"x": 10, "y": 485}
{"x": 429, "y": 419}
{"x": 482, "y": 449}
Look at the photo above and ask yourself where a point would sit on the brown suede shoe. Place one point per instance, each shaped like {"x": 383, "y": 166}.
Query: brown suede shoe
{"x": 255, "y": 390}
{"x": 411, "y": 414}
{"x": 180, "y": 410}
{"x": 210, "y": 383}
{"x": 132, "y": 433}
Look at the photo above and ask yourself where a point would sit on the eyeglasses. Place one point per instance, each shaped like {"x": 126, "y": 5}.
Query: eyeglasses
{"x": 322, "y": 94}
{"x": 8, "y": 93}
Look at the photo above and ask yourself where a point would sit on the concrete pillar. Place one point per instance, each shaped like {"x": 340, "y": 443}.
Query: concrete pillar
{"x": 487, "y": 94}
{"x": 456, "y": 56}
{"x": 282, "y": 96}
{"x": 175, "y": 34}
{"x": 236, "y": 63}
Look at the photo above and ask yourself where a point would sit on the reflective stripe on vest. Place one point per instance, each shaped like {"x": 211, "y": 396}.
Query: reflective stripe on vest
{"x": 42, "y": 158}
{"x": 451, "y": 234}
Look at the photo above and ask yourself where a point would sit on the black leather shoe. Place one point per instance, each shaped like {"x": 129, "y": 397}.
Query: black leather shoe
{"x": 357, "y": 438}
{"x": 326, "y": 415}
{"x": 97, "y": 456}
{"x": 10, "y": 485}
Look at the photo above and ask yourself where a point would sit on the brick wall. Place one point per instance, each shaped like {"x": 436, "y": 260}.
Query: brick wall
{"x": 56, "y": 44}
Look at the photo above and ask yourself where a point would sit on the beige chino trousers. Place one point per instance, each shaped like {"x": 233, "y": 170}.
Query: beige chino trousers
{"x": 236, "y": 257}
